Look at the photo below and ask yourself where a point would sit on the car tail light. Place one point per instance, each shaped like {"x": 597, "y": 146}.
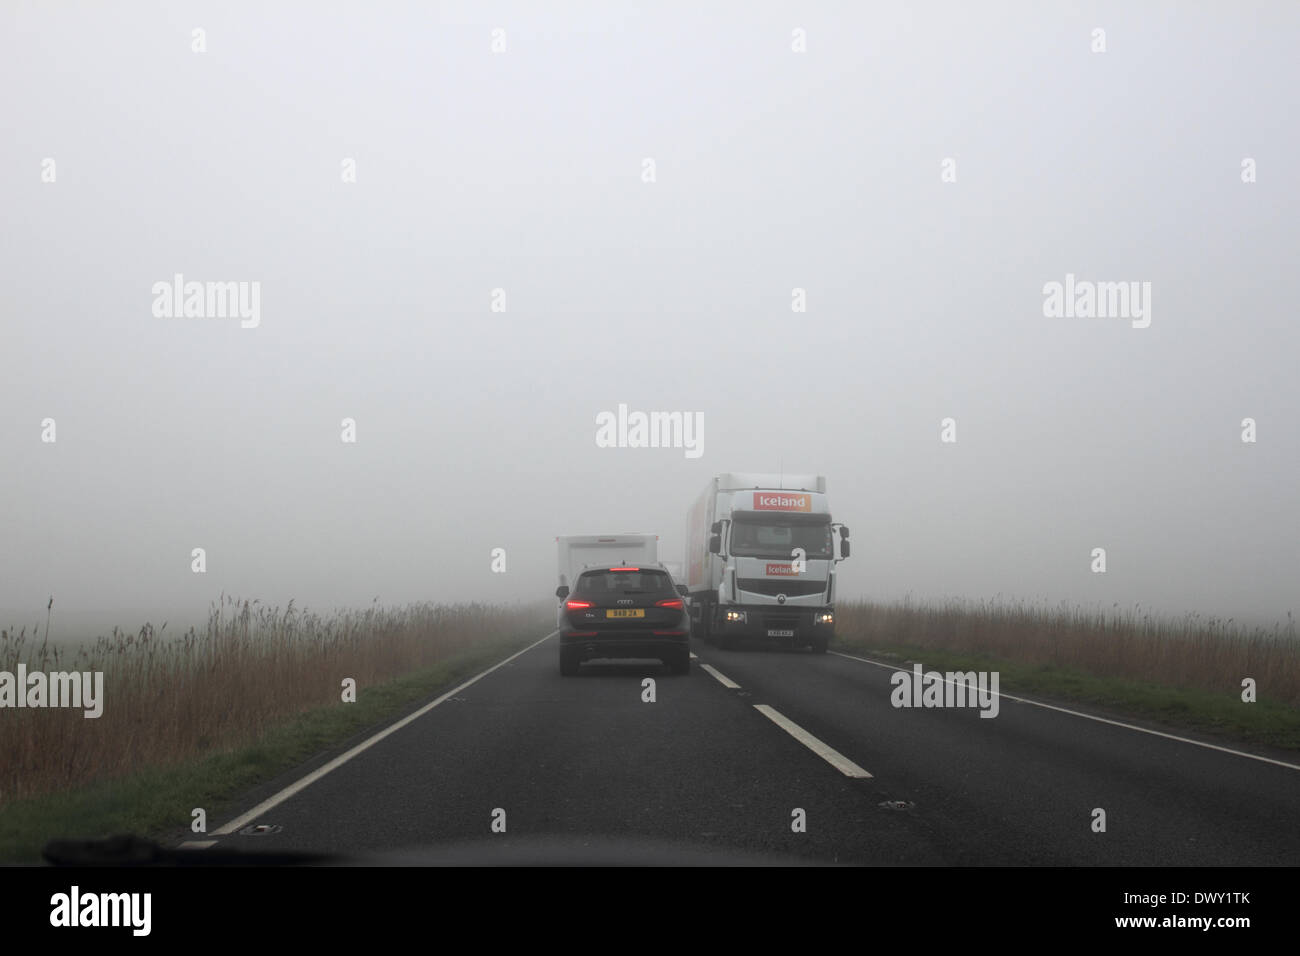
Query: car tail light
{"x": 671, "y": 602}
{"x": 669, "y": 633}
{"x": 576, "y": 605}
{"x": 625, "y": 569}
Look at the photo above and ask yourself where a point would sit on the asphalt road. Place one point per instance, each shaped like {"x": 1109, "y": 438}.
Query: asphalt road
{"x": 586, "y": 771}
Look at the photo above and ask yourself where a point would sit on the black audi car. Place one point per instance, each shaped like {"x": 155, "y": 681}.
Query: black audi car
{"x": 623, "y": 612}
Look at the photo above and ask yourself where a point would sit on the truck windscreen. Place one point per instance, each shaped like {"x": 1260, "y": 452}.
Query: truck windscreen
{"x": 776, "y": 537}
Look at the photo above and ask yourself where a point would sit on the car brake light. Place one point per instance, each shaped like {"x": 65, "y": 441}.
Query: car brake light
{"x": 671, "y": 602}
{"x": 575, "y": 605}
{"x": 625, "y": 569}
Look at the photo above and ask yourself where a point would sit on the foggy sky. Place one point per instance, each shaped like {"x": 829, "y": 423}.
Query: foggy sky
{"x": 523, "y": 170}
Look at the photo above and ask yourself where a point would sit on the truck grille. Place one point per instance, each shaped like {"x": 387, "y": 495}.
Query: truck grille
{"x": 773, "y": 587}
{"x": 781, "y": 622}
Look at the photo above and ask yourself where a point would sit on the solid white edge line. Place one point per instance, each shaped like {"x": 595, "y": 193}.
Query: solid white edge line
{"x": 828, "y": 753}
{"x": 723, "y": 679}
{"x": 1102, "y": 720}
{"x": 293, "y": 788}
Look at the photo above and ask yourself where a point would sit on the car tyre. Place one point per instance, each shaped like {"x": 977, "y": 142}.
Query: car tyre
{"x": 680, "y": 663}
{"x": 568, "y": 663}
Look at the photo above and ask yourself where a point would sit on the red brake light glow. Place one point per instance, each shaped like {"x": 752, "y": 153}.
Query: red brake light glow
{"x": 625, "y": 569}
{"x": 673, "y": 602}
{"x": 576, "y": 605}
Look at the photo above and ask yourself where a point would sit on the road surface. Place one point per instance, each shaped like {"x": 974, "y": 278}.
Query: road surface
{"x": 709, "y": 772}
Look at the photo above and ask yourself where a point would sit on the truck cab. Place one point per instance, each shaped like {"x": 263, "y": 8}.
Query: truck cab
{"x": 762, "y": 561}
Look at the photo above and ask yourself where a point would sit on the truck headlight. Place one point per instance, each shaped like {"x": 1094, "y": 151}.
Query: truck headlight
{"x": 825, "y": 617}
{"x": 735, "y": 616}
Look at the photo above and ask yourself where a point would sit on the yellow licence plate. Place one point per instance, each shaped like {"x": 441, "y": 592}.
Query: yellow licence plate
{"x": 624, "y": 613}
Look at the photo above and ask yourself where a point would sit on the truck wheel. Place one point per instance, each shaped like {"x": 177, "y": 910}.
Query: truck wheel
{"x": 720, "y": 636}
{"x": 702, "y": 630}
{"x": 568, "y": 663}
{"x": 820, "y": 644}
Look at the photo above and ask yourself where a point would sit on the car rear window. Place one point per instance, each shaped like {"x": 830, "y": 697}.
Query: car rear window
{"x": 624, "y": 582}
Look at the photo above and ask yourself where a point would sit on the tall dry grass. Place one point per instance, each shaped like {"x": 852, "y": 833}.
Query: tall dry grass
{"x": 1207, "y": 653}
{"x": 166, "y": 699}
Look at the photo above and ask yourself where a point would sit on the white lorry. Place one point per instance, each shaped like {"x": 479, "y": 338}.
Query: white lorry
{"x": 760, "y": 560}
{"x": 576, "y": 551}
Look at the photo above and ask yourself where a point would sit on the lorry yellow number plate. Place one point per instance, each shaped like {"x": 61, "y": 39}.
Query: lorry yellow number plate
{"x": 780, "y": 633}
{"x": 625, "y": 613}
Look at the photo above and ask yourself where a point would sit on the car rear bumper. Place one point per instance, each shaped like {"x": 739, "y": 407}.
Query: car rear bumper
{"x": 643, "y": 644}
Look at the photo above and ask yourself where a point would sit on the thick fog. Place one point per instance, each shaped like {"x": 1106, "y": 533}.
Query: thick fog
{"x": 474, "y": 243}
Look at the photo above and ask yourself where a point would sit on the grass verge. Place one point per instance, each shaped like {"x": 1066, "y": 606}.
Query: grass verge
{"x": 1219, "y": 714}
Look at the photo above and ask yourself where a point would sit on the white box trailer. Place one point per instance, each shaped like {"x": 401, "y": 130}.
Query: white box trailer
{"x": 576, "y": 551}
{"x": 760, "y": 559}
